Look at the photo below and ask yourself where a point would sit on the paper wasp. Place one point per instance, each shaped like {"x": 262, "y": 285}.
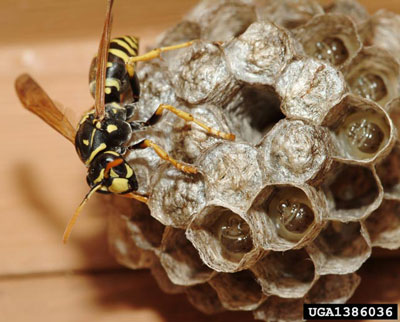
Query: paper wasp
{"x": 104, "y": 132}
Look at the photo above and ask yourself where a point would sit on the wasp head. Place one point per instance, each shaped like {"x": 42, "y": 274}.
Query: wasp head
{"x": 113, "y": 173}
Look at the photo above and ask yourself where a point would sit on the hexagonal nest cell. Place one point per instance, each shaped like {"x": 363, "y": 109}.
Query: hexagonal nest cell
{"x": 290, "y": 210}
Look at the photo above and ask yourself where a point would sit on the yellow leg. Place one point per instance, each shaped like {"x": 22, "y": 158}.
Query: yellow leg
{"x": 189, "y": 118}
{"x": 136, "y": 196}
{"x": 164, "y": 155}
{"x": 155, "y": 53}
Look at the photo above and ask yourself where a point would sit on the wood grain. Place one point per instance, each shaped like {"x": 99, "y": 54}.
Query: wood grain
{"x": 42, "y": 180}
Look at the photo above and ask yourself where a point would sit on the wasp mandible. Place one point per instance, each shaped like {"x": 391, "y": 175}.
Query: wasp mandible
{"x": 104, "y": 131}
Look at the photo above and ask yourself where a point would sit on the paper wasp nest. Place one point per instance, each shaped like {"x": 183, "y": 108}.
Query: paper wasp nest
{"x": 288, "y": 212}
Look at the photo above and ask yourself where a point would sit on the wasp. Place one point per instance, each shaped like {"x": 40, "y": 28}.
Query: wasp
{"x": 102, "y": 135}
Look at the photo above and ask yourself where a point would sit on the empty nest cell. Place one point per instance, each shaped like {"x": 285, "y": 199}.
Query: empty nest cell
{"x": 353, "y": 192}
{"x": 288, "y": 274}
{"x": 238, "y": 291}
{"x": 181, "y": 260}
{"x": 383, "y": 225}
{"x": 340, "y": 248}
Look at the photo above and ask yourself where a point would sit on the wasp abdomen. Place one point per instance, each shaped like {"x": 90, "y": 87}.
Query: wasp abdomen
{"x": 119, "y": 85}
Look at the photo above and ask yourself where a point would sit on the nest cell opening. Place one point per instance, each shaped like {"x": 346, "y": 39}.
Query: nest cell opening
{"x": 233, "y": 234}
{"x": 163, "y": 281}
{"x": 373, "y": 74}
{"x": 276, "y": 308}
{"x": 354, "y": 187}
{"x": 286, "y": 274}
{"x": 332, "y": 50}
{"x": 145, "y": 227}
{"x": 293, "y": 266}
{"x": 383, "y": 225}
{"x": 181, "y": 260}
{"x": 291, "y": 211}
{"x": 333, "y": 288}
{"x": 389, "y": 171}
{"x": 262, "y": 105}
{"x": 363, "y": 134}
{"x": 228, "y": 21}
{"x": 204, "y": 298}
{"x": 342, "y": 240}
{"x": 221, "y": 236}
{"x": 238, "y": 291}
{"x": 332, "y": 38}
{"x": 368, "y": 85}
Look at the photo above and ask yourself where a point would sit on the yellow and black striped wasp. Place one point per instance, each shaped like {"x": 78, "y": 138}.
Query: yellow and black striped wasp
{"x": 104, "y": 131}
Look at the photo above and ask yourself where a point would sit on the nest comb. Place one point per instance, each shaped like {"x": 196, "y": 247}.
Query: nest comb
{"x": 287, "y": 213}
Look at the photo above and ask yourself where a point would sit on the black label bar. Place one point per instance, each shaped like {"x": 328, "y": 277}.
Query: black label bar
{"x": 350, "y": 311}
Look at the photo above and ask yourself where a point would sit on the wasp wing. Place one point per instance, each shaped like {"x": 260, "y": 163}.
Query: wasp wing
{"x": 102, "y": 56}
{"x": 35, "y": 99}
{"x": 69, "y": 114}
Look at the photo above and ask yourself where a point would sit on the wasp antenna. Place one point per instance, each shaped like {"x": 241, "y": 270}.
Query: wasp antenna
{"x": 102, "y": 56}
{"x": 74, "y": 217}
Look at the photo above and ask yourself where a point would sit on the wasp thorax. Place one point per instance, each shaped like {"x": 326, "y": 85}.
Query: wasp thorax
{"x": 363, "y": 134}
{"x": 370, "y": 86}
{"x": 291, "y": 211}
{"x": 331, "y": 49}
{"x": 234, "y": 233}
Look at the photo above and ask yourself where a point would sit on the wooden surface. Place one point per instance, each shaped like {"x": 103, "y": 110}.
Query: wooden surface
{"x": 42, "y": 179}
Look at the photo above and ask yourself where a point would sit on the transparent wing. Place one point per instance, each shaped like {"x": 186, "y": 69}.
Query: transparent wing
{"x": 35, "y": 99}
{"x": 102, "y": 56}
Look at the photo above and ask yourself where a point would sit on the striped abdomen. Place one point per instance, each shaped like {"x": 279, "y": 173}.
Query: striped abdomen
{"x": 119, "y": 86}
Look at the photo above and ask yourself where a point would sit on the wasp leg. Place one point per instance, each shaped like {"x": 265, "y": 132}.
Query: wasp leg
{"x": 163, "y": 155}
{"x": 155, "y": 53}
{"x": 137, "y": 125}
{"x": 152, "y": 54}
{"x": 136, "y": 196}
{"x": 188, "y": 118}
